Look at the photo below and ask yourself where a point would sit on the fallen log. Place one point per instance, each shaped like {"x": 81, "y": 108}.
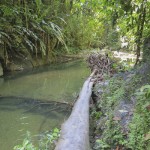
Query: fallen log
{"x": 75, "y": 131}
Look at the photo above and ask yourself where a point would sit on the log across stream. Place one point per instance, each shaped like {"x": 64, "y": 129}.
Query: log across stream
{"x": 75, "y": 131}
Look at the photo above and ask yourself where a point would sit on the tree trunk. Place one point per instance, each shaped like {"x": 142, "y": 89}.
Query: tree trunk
{"x": 71, "y": 4}
{"x": 140, "y": 32}
{"x": 4, "y": 67}
{"x": 75, "y": 131}
{"x": 146, "y": 50}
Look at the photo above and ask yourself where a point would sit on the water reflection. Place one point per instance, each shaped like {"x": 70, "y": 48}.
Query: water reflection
{"x": 22, "y": 98}
{"x": 48, "y": 83}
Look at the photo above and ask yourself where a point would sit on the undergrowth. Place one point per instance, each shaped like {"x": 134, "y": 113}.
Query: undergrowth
{"x": 46, "y": 141}
{"x": 108, "y": 135}
{"x": 139, "y": 135}
{"x": 109, "y": 132}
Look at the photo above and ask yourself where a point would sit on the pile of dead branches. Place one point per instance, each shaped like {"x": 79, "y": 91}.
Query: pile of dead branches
{"x": 102, "y": 63}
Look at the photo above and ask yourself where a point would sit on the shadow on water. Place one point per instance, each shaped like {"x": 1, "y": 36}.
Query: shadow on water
{"x": 25, "y": 114}
{"x": 11, "y": 103}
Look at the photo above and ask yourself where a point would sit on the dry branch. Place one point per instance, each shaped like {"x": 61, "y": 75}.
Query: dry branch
{"x": 102, "y": 63}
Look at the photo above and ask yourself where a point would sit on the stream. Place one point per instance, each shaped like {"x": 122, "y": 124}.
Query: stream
{"x": 35, "y": 100}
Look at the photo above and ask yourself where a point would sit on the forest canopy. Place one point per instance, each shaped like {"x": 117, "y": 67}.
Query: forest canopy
{"x": 44, "y": 29}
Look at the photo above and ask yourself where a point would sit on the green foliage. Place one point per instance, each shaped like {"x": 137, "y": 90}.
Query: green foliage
{"x": 26, "y": 29}
{"x": 27, "y": 144}
{"x": 140, "y": 125}
{"x": 46, "y": 141}
{"x": 95, "y": 114}
{"x": 112, "y": 94}
{"x": 84, "y": 30}
{"x": 113, "y": 40}
{"x": 112, "y": 135}
{"x": 110, "y": 130}
{"x": 44, "y": 29}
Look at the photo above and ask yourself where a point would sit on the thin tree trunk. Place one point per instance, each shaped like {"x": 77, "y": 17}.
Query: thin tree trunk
{"x": 75, "y": 131}
{"x": 71, "y": 4}
{"x": 3, "y": 65}
{"x": 140, "y": 32}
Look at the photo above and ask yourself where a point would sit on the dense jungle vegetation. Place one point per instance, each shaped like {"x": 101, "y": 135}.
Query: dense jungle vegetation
{"x": 45, "y": 29}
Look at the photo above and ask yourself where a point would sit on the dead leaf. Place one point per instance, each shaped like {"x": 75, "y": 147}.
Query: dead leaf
{"x": 118, "y": 148}
{"x": 116, "y": 118}
{"x": 147, "y": 136}
{"x": 148, "y": 107}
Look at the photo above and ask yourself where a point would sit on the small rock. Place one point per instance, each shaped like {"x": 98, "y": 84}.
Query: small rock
{"x": 123, "y": 111}
{"x": 130, "y": 113}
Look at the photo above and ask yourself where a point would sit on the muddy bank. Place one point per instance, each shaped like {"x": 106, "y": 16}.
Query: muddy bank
{"x": 28, "y": 63}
